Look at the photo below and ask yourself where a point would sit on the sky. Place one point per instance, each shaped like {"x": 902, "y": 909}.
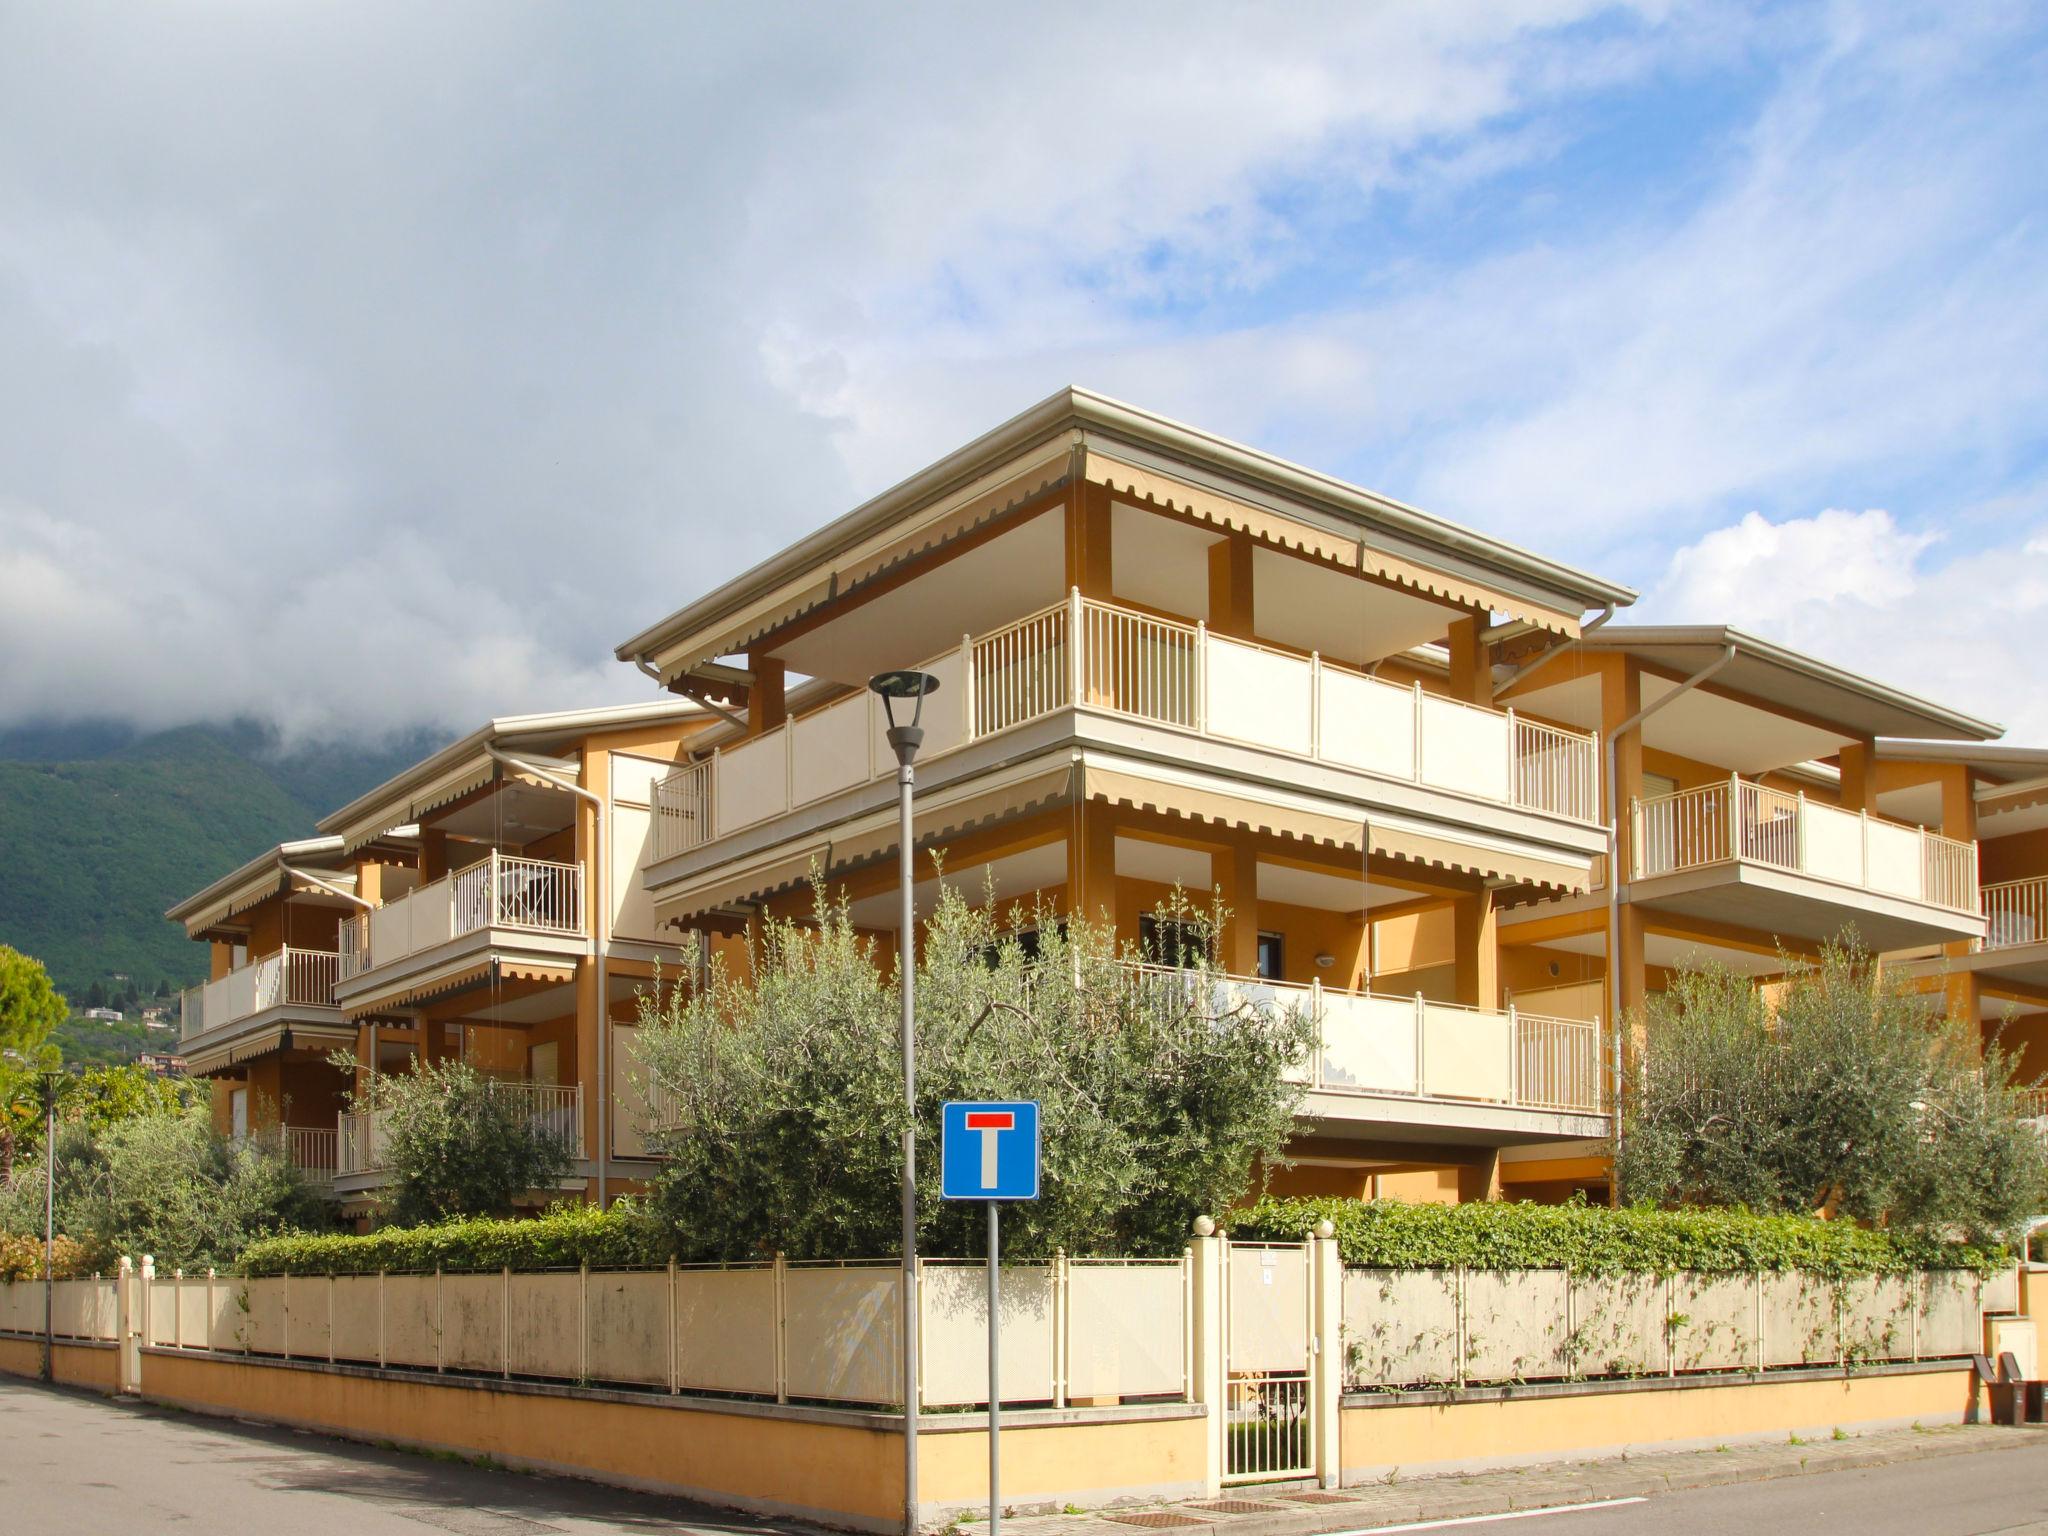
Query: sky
{"x": 368, "y": 367}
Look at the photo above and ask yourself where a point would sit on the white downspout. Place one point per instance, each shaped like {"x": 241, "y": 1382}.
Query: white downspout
{"x": 601, "y": 906}
{"x": 1608, "y": 743}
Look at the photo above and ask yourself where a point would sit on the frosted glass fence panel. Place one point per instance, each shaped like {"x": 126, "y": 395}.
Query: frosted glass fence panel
{"x": 1834, "y": 843}
{"x": 725, "y": 1330}
{"x": 1466, "y": 1053}
{"x": 1400, "y": 1327}
{"x": 1260, "y": 696}
{"x": 1267, "y": 1293}
{"x": 1127, "y": 1329}
{"x": 626, "y": 1325}
{"x": 753, "y": 782}
{"x": 1464, "y": 749}
{"x": 1713, "y": 1322}
{"x": 547, "y": 1326}
{"x": 1516, "y": 1324}
{"x": 1896, "y": 861}
{"x": 357, "y": 1318}
{"x": 1369, "y": 1043}
{"x": 840, "y": 1334}
{"x": 956, "y": 1334}
{"x": 1368, "y": 724}
{"x": 473, "y": 1323}
{"x": 829, "y": 751}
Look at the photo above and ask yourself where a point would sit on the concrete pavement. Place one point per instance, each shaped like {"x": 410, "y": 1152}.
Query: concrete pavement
{"x": 77, "y": 1463}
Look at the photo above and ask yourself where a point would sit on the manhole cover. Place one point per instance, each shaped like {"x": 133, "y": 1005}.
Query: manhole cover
{"x": 1318, "y": 1498}
{"x": 1153, "y": 1517}
{"x": 1238, "y": 1507}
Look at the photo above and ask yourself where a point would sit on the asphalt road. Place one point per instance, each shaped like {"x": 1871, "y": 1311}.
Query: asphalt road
{"x": 78, "y": 1464}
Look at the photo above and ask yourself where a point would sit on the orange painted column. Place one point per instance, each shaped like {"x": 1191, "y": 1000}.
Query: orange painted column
{"x": 1471, "y": 671}
{"x": 1230, "y": 587}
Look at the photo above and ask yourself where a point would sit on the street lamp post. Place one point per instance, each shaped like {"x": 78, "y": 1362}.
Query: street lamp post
{"x": 904, "y": 740}
{"x": 50, "y": 1081}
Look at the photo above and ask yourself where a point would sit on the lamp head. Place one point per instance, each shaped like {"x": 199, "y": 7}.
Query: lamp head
{"x": 903, "y": 685}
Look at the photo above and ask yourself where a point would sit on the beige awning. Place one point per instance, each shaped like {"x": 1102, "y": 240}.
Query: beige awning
{"x": 749, "y": 880}
{"x": 1419, "y": 843}
{"x": 464, "y": 779}
{"x": 288, "y": 1034}
{"x": 956, "y": 810}
{"x": 1338, "y": 548}
{"x": 1328, "y": 823}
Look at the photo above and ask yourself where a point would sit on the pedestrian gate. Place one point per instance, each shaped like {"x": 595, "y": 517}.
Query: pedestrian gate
{"x": 1268, "y": 1337}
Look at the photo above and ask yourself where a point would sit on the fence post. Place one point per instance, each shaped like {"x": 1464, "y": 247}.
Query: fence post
{"x": 967, "y": 699}
{"x": 1207, "y": 1371}
{"x": 1421, "y": 1041}
{"x": 1735, "y": 817}
{"x": 1757, "y": 1279}
{"x": 1416, "y": 729}
{"x": 1514, "y": 760}
{"x": 1457, "y": 1283}
{"x": 330, "y": 1317}
{"x": 1202, "y": 677}
{"x": 779, "y": 1287}
{"x": 1670, "y": 1333}
{"x": 178, "y": 1307}
{"x": 505, "y": 1329}
{"x": 210, "y": 1314}
{"x": 284, "y": 1312}
{"x": 1515, "y": 1084}
{"x": 675, "y": 1374}
{"x": 1571, "y": 1325}
{"x": 441, "y": 1317}
{"x": 1060, "y": 1324}
{"x": 383, "y": 1358}
{"x": 1315, "y": 704}
{"x": 1327, "y": 1363}
{"x": 1315, "y": 1003}
{"x": 1076, "y": 663}
{"x": 583, "y": 1331}
{"x": 124, "y": 1280}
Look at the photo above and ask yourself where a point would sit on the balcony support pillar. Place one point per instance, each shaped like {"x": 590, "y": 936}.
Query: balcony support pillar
{"x": 1471, "y": 670}
{"x": 1231, "y": 607}
{"x": 1235, "y": 865}
{"x": 766, "y": 701}
{"x": 1091, "y": 865}
{"x": 1088, "y": 539}
{"x": 1476, "y": 949}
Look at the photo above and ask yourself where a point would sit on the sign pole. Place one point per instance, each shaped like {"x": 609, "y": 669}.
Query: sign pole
{"x": 995, "y": 1390}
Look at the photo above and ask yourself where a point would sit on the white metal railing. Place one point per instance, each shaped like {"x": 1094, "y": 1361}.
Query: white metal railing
{"x": 501, "y": 891}
{"x": 1100, "y": 656}
{"x": 2015, "y": 912}
{"x": 1369, "y": 1042}
{"x": 299, "y": 977}
{"x": 1737, "y": 822}
{"x": 556, "y": 1108}
{"x": 313, "y": 1150}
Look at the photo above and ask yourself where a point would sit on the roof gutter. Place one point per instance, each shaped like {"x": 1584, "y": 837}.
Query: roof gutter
{"x": 1608, "y": 742}
{"x": 600, "y": 910}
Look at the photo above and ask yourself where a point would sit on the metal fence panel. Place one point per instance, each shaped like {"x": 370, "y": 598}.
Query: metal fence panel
{"x": 955, "y": 1337}
{"x": 1713, "y": 1322}
{"x": 1126, "y": 1330}
{"x": 471, "y": 1309}
{"x": 547, "y": 1326}
{"x": 725, "y": 1330}
{"x": 1400, "y": 1327}
{"x": 1516, "y": 1325}
{"x": 627, "y": 1316}
{"x": 842, "y": 1338}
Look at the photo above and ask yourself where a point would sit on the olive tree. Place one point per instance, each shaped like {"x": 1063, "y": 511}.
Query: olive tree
{"x": 455, "y": 1144}
{"x": 777, "y": 1084}
{"x": 1844, "y": 1092}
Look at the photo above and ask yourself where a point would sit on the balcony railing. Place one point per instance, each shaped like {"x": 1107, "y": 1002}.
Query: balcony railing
{"x": 1737, "y": 822}
{"x": 313, "y": 1150}
{"x": 1372, "y": 1043}
{"x": 554, "y": 1108}
{"x": 302, "y": 977}
{"x": 502, "y": 891}
{"x": 1102, "y": 657}
{"x": 2015, "y": 912}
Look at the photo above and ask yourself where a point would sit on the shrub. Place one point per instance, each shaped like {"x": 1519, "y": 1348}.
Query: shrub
{"x": 567, "y": 1235}
{"x": 21, "y": 1257}
{"x": 781, "y": 1085}
{"x": 1391, "y": 1234}
{"x": 455, "y": 1145}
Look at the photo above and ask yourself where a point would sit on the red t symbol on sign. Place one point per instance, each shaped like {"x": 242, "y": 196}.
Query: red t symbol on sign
{"x": 990, "y": 1122}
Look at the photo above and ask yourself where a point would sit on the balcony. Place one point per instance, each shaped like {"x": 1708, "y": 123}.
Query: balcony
{"x": 2015, "y": 913}
{"x": 551, "y": 1107}
{"x": 313, "y": 1150}
{"x": 1764, "y": 859}
{"x": 499, "y": 895}
{"x": 282, "y": 1000}
{"x": 1100, "y": 657}
{"x": 1431, "y": 1065}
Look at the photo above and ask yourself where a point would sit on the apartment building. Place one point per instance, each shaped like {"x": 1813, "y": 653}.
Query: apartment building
{"x": 485, "y": 905}
{"x": 1405, "y": 755}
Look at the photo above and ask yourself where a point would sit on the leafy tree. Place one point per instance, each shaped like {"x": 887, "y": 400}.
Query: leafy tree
{"x": 779, "y": 1101}
{"x": 164, "y": 1183}
{"x": 96, "y": 995}
{"x": 30, "y": 1012}
{"x": 1847, "y": 1095}
{"x": 456, "y": 1144}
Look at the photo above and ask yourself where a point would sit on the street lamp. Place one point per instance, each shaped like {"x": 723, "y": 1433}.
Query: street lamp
{"x": 51, "y": 1080}
{"x": 905, "y": 738}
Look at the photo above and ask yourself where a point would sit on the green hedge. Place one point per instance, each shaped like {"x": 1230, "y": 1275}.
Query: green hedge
{"x": 1377, "y": 1234}
{"x": 566, "y": 1236}
{"x": 1389, "y": 1234}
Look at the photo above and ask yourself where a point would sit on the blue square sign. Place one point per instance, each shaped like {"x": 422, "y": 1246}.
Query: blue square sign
{"x": 989, "y": 1151}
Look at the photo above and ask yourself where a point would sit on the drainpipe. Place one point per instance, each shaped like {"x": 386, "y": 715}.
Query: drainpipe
{"x": 601, "y": 934}
{"x": 1527, "y": 667}
{"x": 717, "y": 709}
{"x": 1608, "y": 742}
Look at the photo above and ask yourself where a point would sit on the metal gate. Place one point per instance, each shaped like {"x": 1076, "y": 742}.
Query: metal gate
{"x": 1268, "y": 1333}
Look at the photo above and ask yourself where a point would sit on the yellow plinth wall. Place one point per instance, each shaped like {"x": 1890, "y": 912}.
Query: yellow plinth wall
{"x": 1536, "y": 1425}
{"x": 824, "y": 1465}
{"x": 74, "y": 1365}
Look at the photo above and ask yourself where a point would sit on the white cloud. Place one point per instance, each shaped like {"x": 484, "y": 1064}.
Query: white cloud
{"x": 1957, "y": 626}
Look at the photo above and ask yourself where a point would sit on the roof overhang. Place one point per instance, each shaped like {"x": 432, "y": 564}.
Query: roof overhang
{"x": 1765, "y": 670}
{"x": 1146, "y": 457}
{"x": 551, "y": 742}
{"x": 263, "y": 877}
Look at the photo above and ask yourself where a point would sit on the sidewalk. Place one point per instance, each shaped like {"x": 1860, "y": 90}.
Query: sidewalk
{"x": 1299, "y": 1512}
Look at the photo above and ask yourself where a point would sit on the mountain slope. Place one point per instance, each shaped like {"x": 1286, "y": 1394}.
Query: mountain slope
{"x": 94, "y": 847}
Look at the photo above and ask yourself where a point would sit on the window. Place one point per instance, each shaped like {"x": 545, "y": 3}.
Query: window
{"x": 1272, "y": 957}
{"x": 1028, "y": 945}
{"x": 238, "y": 1103}
{"x": 1165, "y": 941}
